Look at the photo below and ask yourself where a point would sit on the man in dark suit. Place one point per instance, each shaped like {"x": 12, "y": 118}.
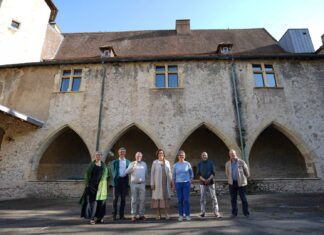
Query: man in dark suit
{"x": 120, "y": 183}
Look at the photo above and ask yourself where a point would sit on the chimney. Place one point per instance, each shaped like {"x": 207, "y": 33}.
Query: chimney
{"x": 322, "y": 39}
{"x": 183, "y": 26}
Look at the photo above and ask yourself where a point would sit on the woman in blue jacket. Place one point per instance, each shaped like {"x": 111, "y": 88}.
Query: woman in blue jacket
{"x": 182, "y": 177}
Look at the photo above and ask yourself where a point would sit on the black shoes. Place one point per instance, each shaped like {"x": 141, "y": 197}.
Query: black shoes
{"x": 233, "y": 216}
{"x": 100, "y": 221}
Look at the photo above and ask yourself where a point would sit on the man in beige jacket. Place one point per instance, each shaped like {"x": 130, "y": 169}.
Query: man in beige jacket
{"x": 237, "y": 173}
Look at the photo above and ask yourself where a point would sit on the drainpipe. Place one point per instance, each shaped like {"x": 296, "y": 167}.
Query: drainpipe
{"x": 237, "y": 110}
{"x": 101, "y": 105}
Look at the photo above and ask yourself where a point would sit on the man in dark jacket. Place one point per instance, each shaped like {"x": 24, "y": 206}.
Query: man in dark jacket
{"x": 206, "y": 173}
{"x": 120, "y": 183}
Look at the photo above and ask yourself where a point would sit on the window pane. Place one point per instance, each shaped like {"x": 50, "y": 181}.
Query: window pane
{"x": 268, "y": 67}
{"x": 76, "y": 84}
{"x": 15, "y": 24}
{"x": 256, "y": 67}
{"x": 271, "y": 80}
{"x": 172, "y": 68}
{"x": 65, "y": 84}
{"x": 173, "y": 80}
{"x": 258, "y": 80}
{"x": 66, "y": 72}
{"x": 160, "y": 68}
{"x": 77, "y": 72}
{"x": 160, "y": 80}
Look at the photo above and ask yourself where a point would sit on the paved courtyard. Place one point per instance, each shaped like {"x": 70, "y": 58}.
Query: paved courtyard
{"x": 270, "y": 214}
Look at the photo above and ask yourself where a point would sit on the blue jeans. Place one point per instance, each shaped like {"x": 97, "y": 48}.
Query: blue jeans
{"x": 183, "y": 193}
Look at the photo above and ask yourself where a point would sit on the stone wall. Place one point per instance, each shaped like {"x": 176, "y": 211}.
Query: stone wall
{"x": 168, "y": 117}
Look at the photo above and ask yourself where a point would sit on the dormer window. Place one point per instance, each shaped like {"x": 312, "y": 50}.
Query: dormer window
{"x": 224, "y": 48}
{"x": 15, "y": 24}
{"x": 107, "y": 52}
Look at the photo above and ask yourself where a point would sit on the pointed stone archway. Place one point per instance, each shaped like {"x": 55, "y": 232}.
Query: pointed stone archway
{"x": 274, "y": 155}
{"x": 66, "y": 157}
{"x": 204, "y": 140}
{"x": 134, "y": 140}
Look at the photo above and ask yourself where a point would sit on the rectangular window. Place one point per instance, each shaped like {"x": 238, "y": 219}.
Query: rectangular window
{"x": 15, "y": 24}
{"x": 65, "y": 84}
{"x": 166, "y": 76}
{"x": 76, "y": 84}
{"x": 264, "y": 75}
{"x": 71, "y": 80}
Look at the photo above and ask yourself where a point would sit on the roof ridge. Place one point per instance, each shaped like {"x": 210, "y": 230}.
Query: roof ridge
{"x": 163, "y": 30}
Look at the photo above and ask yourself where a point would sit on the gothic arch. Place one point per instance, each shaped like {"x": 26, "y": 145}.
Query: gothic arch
{"x": 292, "y": 141}
{"x": 229, "y": 143}
{"x": 134, "y": 138}
{"x": 206, "y": 138}
{"x": 72, "y": 138}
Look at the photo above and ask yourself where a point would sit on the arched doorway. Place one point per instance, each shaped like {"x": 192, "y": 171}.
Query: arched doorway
{"x": 273, "y": 155}
{"x": 204, "y": 140}
{"x": 65, "y": 158}
{"x": 134, "y": 140}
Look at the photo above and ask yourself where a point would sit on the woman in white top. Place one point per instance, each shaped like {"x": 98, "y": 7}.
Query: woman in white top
{"x": 161, "y": 183}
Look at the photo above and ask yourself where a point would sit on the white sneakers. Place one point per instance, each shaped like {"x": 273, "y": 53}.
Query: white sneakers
{"x": 180, "y": 219}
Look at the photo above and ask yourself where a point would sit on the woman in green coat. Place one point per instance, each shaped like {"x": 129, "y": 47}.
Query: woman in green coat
{"x": 94, "y": 197}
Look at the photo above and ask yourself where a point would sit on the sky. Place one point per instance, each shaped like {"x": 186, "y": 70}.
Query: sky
{"x": 276, "y": 16}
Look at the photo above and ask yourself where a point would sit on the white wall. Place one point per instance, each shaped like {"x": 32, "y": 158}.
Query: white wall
{"x": 25, "y": 44}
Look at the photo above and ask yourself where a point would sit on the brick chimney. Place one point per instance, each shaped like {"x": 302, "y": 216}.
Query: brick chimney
{"x": 183, "y": 26}
{"x": 322, "y": 39}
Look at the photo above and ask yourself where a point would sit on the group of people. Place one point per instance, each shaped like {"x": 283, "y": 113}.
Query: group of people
{"x": 163, "y": 181}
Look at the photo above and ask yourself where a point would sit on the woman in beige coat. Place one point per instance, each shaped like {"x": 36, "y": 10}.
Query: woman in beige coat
{"x": 161, "y": 183}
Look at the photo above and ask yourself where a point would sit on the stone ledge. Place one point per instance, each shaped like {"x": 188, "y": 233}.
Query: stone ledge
{"x": 74, "y": 188}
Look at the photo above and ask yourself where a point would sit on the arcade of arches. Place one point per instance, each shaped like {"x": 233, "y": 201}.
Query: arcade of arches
{"x": 272, "y": 155}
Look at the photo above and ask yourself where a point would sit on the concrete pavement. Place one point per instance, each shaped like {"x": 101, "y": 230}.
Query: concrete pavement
{"x": 270, "y": 214}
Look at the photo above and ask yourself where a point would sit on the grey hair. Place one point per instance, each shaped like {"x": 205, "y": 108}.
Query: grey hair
{"x": 179, "y": 152}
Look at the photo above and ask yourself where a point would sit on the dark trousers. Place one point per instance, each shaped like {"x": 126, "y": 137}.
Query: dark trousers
{"x": 120, "y": 190}
{"x": 234, "y": 189}
{"x": 92, "y": 208}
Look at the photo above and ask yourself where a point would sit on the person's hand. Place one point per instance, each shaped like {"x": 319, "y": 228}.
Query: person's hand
{"x": 152, "y": 187}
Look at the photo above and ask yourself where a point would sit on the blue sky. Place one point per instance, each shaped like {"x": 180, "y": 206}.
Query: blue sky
{"x": 125, "y": 15}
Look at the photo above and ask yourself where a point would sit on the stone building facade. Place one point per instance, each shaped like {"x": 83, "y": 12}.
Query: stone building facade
{"x": 196, "y": 90}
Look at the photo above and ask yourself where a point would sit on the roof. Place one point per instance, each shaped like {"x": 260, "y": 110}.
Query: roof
{"x": 21, "y": 116}
{"x": 157, "y": 43}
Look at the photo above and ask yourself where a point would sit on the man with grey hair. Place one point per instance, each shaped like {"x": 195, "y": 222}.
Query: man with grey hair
{"x": 237, "y": 173}
{"x": 206, "y": 173}
{"x": 138, "y": 172}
